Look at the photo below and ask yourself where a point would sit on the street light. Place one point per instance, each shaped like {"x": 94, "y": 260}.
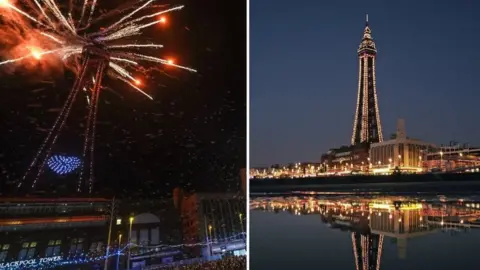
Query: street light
{"x": 210, "y": 238}
{"x": 129, "y": 241}
{"x": 441, "y": 161}
{"x": 241, "y": 225}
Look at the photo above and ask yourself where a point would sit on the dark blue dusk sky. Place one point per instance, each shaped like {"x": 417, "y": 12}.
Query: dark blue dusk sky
{"x": 303, "y": 80}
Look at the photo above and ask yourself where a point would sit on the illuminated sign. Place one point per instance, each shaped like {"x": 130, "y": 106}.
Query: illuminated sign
{"x": 30, "y": 263}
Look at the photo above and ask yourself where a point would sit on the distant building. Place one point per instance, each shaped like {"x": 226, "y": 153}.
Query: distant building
{"x": 155, "y": 222}
{"x": 213, "y": 217}
{"x": 454, "y": 157}
{"x": 35, "y": 230}
{"x": 399, "y": 152}
{"x": 346, "y": 158}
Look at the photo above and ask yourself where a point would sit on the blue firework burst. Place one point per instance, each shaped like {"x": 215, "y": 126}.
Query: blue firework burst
{"x": 63, "y": 164}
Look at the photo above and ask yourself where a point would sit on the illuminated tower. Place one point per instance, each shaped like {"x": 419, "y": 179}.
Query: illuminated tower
{"x": 367, "y": 250}
{"x": 367, "y": 126}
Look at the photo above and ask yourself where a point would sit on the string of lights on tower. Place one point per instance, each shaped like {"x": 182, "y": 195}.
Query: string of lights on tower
{"x": 367, "y": 126}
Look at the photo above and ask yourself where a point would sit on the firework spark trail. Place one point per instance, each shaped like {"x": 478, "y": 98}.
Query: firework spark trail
{"x": 159, "y": 60}
{"x": 52, "y": 37}
{"x": 82, "y": 14}
{"x": 92, "y": 10}
{"x": 19, "y": 11}
{"x": 30, "y": 55}
{"x": 123, "y": 72}
{"x": 70, "y": 7}
{"x": 131, "y": 29}
{"x": 133, "y": 86}
{"x": 155, "y": 14}
{"x": 125, "y": 46}
{"x": 56, "y": 11}
{"x": 71, "y": 53}
{"x": 124, "y": 60}
{"x": 44, "y": 14}
{"x": 71, "y": 21}
{"x": 129, "y": 15}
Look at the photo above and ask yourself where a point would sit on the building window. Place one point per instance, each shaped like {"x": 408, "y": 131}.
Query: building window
{"x": 28, "y": 251}
{"x": 77, "y": 246}
{"x": 4, "y": 252}
{"x": 96, "y": 247}
{"x": 53, "y": 248}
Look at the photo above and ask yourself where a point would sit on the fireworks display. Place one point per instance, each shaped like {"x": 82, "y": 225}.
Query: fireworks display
{"x": 63, "y": 164}
{"x": 66, "y": 34}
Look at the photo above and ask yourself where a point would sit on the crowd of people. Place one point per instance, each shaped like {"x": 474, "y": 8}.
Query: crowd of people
{"x": 226, "y": 263}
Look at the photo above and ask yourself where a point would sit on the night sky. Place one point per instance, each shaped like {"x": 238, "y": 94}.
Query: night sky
{"x": 304, "y": 72}
{"x": 192, "y": 135}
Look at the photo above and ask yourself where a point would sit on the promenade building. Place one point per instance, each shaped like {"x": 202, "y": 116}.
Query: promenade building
{"x": 399, "y": 153}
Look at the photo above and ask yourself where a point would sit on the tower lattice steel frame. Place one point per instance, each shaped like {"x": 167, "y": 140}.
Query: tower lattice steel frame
{"x": 367, "y": 126}
{"x": 95, "y": 61}
{"x": 367, "y": 250}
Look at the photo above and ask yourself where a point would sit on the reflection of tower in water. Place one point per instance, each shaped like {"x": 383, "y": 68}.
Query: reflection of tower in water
{"x": 398, "y": 221}
{"x": 367, "y": 250}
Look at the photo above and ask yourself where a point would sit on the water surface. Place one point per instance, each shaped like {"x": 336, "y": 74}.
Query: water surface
{"x": 358, "y": 232}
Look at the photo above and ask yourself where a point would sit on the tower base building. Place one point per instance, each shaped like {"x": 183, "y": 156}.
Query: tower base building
{"x": 400, "y": 153}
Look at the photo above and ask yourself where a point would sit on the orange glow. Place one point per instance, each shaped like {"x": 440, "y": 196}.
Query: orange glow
{"x": 4, "y": 3}
{"x": 52, "y": 200}
{"x": 36, "y": 53}
{"x": 138, "y": 82}
{"x": 162, "y": 20}
{"x": 170, "y": 61}
{"x": 24, "y": 221}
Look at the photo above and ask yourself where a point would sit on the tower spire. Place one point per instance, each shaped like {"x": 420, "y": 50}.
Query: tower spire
{"x": 366, "y": 19}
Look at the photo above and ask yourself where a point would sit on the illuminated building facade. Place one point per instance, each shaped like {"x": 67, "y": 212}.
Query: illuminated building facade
{"x": 35, "y": 230}
{"x": 401, "y": 152}
{"x": 154, "y": 222}
{"x": 346, "y": 159}
{"x": 213, "y": 217}
{"x": 461, "y": 158}
{"x": 367, "y": 126}
{"x": 292, "y": 170}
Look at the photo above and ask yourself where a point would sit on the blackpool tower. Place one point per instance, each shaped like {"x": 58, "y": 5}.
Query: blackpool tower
{"x": 367, "y": 127}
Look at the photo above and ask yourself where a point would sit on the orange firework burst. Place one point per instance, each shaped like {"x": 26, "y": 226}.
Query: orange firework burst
{"x": 4, "y": 3}
{"x": 35, "y": 52}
